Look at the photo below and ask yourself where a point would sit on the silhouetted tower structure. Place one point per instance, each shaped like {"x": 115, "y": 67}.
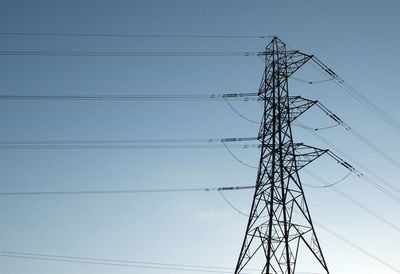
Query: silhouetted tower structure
{"x": 280, "y": 231}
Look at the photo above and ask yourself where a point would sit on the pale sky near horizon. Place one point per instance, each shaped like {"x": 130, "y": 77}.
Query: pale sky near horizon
{"x": 357, "y": 39}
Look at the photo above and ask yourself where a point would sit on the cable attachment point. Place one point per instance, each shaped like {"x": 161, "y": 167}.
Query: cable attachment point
{"x": 345, "y": 164}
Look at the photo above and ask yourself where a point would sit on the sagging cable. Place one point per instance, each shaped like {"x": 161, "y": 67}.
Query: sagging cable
{"x": 239, "y": 114}
{"x": 234, "y": 156}
{"x": 330, "y": 185}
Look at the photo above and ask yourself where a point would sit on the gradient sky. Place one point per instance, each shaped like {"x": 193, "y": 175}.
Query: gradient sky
{"x": 357, "y": 39}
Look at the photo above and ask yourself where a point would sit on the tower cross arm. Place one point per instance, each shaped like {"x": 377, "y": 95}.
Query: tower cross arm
{"x": 306, "y": 154}
{"x": 298, "y": 105}
{"x": 293, "y": 59}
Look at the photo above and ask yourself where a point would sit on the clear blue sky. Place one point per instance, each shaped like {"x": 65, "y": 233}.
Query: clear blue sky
{"x": 357, "y": 39}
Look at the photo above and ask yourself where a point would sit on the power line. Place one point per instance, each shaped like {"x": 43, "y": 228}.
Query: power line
{"x": 331, "y": 184}
{"x": 127, "y": 35}
{"x": 239, "y": 114}
{"x": 112, "y": 260}
{"x": 140, "y": 53}
{"x": 356, "y": 94}
{"x": 362, "y": 176}
{"x": 353, "y": 201}
{"x": 363, "y": 167}
{"x": 231, "y": 205}
{"x": 137, "y": 97}
{"x": 236, "y": 158}
{"x": 114, "y": 264}
{"x": 369, "y": 254}
{"x": 370, "y": 181}
{"x": 94, "y": 147}
{"x": 310, "y": 82}
{"x": 320, "y": 128}
{"x": 125, "y": 191}
{"x": 357, "y": 135}
{"x": 128, "y": 143}
{"x": 132, "y": 53}
{"x": 121, "y": 143}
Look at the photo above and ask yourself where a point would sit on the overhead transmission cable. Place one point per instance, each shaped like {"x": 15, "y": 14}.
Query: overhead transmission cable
{"x": 357, "y": 94}
{"x": 132, "y": 53}
{"x": 137, "y": 97}
{"x": 128, "y": 143}
{"x": 322, "y": 128}
{"x": 352, "y": 159}
{"x": 131, "y": 35}
{"x": 118, "y": 264}
{"x": 311, "y": 82}
{"x": 370, "y": 181}
{"x": 352, "y": 200}
{"x": 122, "y": 146}
{"x": 124, "y": 191}
{"x": 331, "y": 184}
{"x": 144, "y": 264}
{"x": 352, "y": 244}
{"x": 239, "y": 114}
{"x": 139, "y": 53}
{"x": 234, "y": 156}
{"x": 357, "y": 134}
{"x": 112, "y": 260}
{"x": 231, "y": 205}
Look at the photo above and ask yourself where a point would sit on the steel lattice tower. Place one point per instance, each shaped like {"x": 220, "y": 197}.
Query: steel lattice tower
{"x": 280, "y": 230}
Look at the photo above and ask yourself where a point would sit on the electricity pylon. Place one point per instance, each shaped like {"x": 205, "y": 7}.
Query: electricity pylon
{"x": 280, "y": 231}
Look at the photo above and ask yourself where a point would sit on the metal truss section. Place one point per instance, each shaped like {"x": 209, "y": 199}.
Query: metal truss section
{"x": 303, "y": 154}
{"x": 288, "y": 63}
{"x": 280, "y": 230}
{"x": 306, "y": 154}
{"x": 297, "y": 105}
